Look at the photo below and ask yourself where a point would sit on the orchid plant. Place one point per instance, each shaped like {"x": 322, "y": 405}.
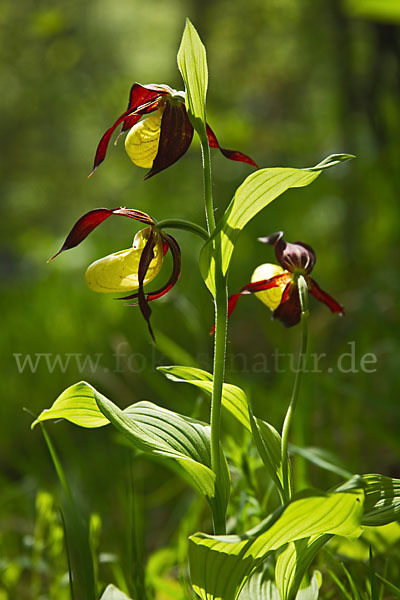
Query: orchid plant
{"x": 160, "y": 123}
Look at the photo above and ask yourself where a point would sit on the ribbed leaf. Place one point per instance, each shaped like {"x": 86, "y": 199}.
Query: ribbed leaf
{"x": 76, "y": 404}
{"x": 382, "y": 500}
{"x": 258, "y": 588}
{"x": 255, "y": 193}
{"x": 192, "y": 63}
{"x": 151, "y": 429}
{"x": 233, "y": 397}
{"x": 220, "y": 565}
{"x": 293, "y": 562}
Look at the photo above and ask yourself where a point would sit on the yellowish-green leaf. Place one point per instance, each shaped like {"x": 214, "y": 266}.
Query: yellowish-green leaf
{"x": 151, "y": 429}
{"x": 76, "y": 404}
{"x": 255, "y": 193}
{"x": 293, "y": 563}
{"x": 220, "y": 564}
{"x": 387, "y": 11}
{"x": 192, "y": 63}
{"x": 382, "y": 500}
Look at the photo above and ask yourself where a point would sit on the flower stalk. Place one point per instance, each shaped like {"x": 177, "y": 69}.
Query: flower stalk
{"x": 286, "y": 478}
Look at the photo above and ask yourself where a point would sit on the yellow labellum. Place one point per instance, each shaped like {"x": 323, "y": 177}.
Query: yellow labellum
{"x": 272, "y": 297}
{"x": 118, "y": 272}
{"x": 141, "y": 143}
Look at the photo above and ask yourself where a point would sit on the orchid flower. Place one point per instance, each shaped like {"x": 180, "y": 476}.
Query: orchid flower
{"x": 163, "y": 136}
{"x": 131, "y": 269}
{"x": 277, "y": 287}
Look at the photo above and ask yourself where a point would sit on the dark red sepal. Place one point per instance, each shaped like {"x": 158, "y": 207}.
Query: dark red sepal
{"x": 143, "y": 100}
{"x": 324, "y": 297}
{"x": 172, "y": 244}
{"x": 92, "y": 219}
{"x": 175, "y": 137}
{"x": 231, "y": 154}
{"x": 289, "y": 309}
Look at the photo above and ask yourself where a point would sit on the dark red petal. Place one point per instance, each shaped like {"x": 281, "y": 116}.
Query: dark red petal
{"x": 92, "y": 219}
{"x": 289, "y": 310}
{"x": 253, "y": 287}
{"x": 144, "y": 263}
{"x": 128, "y": 118}
{"x": 176, "y": 271}
{"x": 266, "y": 284}
{"x": 324, "y": 297}
{"x": 175, "y": 137}
{"x": 231, "y": 154}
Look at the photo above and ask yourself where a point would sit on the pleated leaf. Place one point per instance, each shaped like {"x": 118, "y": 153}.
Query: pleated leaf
{"x": 219, "y": 565}
{"x": 293, "y": 563}
{"x": 233, "y": 397}
{"x": 192, "y": 63}
{"x": 382, "y": 500}
{"x": 255, "y": 193}
{"x": 151, "y": 429}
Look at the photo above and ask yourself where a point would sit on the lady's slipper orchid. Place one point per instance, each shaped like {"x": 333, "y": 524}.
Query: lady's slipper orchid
{"x": 161, "y": 138}
{"x": 128, "y": 270}
{"x": 277, "y": 286}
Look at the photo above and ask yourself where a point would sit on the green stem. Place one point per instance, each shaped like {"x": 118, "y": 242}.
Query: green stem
{"x": 301, "y": 366}
{"x": 186, "y": 225}
{"x": 209, "y": 205}
{"x": 221, "y": 315}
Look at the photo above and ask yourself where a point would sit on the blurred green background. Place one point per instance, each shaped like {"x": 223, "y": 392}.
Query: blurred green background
{"x": 290, "y": 82}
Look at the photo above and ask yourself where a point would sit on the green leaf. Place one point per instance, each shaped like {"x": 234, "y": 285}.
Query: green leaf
{"x": 113, "y": 593}
{"x": 255, "y": 193}
{"x": 153, "y": 430}
{"x": 293, "y": 563}
{"x": 192, "y": 63}
{"x": 220, "y": 564}
{"x": 269, "y": 443}
{"x": 76, "y": 404}
{"x": 233, "y": 397}
{"x": 382, "y": 500}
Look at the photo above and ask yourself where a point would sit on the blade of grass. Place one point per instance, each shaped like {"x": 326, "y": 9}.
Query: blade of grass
{"x": 340, "y": 585}
{"x": 394, "y": 589}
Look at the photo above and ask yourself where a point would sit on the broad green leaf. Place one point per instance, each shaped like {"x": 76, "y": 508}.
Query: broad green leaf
{"x": 220, "y": 564}
{"x": 255, "y": 193}
{"x": 192, "y": 63}
{"x": 268, "y": 442}
{"x": 382, "y": 500}
{"x": 293, "y": 563}
{"x": 153, "y": 430}
{"x": 76, "y": 404}
{"x": 113, "y": 593}
{"x": 233, "y": 397}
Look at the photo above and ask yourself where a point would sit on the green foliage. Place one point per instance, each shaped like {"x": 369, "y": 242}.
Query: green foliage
{"x": 254, "y": 194}
{"x": 219, "y": 565}
{"x": 192, "y": 62}
{"x": 151, "y": 429}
